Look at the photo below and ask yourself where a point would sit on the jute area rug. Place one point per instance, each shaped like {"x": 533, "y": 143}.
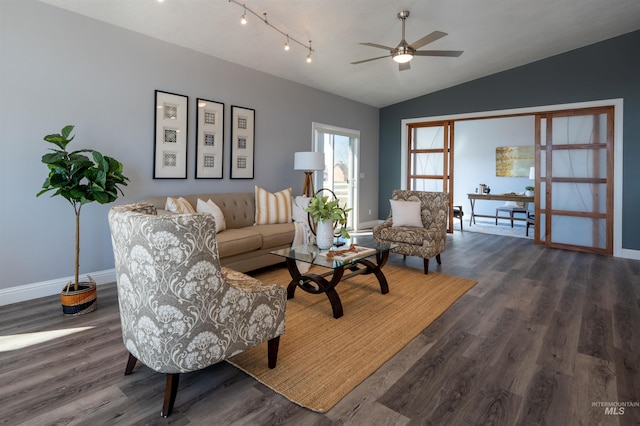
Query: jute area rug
{"x": 321, "y": 359}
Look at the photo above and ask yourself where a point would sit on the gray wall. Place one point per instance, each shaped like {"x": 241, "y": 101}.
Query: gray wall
{"x": 59, "y": 68}
{"x": 606, "y": 70}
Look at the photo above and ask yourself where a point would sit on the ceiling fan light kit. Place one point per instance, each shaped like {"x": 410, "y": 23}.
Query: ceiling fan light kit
{"x": 404, "y": 52}
{"x": 263, "y": 18}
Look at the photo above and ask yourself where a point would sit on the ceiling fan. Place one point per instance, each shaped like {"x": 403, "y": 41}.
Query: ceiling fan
{"x": 404, "y": 52}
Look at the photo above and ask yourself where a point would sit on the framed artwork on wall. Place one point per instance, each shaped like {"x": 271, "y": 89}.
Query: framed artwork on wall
{"x": 514, "y": 161}
{"x": 170, "y": 147}
{"x": 242, "y": 142}
{"x": 209, "y": 139}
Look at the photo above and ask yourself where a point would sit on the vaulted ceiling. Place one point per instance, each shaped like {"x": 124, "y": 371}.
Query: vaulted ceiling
{"x": 495, "y": 35}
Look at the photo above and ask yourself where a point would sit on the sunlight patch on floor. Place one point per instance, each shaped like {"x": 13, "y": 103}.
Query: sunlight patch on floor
{"x": 20, "y": 341}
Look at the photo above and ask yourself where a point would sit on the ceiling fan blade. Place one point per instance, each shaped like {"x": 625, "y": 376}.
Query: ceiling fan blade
{"x": 405, "y": 66}
{"x": 379, "y": 46}
{"x": 447, "y": 53}
{"x": 430, "y": 38}
{"x": 368, "y": 60}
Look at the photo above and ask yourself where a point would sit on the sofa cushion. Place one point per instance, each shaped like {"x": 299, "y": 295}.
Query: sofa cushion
{"x": 209, "y": 207}
{"x": 276, "y": 234}
{"x": 239, "y": 208}
{"x": 405, "y": 235}
{"x": 235, "y": 241}
{"x": 272, "y": 208}
{"x": 179, "y": 205}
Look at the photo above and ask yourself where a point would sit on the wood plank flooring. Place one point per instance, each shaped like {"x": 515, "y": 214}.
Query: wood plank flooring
{"x": 544, "y": 337}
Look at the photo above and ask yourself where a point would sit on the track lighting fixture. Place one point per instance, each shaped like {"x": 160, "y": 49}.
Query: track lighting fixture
{"x": 263, "y": 17}
{"x": 243, "y": 21}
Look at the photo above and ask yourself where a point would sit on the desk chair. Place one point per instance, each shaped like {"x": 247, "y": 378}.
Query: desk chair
{"x": 511, "y": 208}
{"x": 457, "y": 214}
{"x": 531, "y": 221}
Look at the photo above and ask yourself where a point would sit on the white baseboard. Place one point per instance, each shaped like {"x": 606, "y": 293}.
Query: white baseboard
{"x": 630, "y": 254}
{"x": 48, "y": 288}
{"x": 370, "y": 224}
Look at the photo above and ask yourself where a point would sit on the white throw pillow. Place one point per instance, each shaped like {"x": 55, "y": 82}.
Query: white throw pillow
{"x": 298, "y": 213}
{"x": 273, "y": 208}
{"x": 212, "y": 208}
{"x": 405, "y": 213}
{"x": 514, "y": 204}
{"x": 178, "y": 205}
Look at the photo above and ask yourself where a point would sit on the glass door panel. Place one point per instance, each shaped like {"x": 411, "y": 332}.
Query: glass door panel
{"x": 430, "y": 161}
{"x": 428, "y": 137}
{"x": 574, "y": 191}
{"x": 579, "y": 197}
{"x": 428, "y": 164}
{"x": 579, "y": 231}
{"x": 340, "y": 147}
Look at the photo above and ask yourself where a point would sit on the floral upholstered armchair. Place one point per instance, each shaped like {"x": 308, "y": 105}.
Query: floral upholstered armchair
{"x": 420, "y": 228}
{"x": 180, "y": 310}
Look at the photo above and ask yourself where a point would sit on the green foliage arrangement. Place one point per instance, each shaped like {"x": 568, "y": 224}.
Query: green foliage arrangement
{"x": 80, "y": 179}
{"x": 529, "y": 188}
{"x": 322, "y": 209}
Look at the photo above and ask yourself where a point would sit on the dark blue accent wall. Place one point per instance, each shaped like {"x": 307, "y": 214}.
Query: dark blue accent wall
{"x": 605, "y": 70}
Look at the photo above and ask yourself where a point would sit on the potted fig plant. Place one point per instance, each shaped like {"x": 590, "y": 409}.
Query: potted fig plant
{"x": 80, "y": 179}
{"x": 327, "y": 215}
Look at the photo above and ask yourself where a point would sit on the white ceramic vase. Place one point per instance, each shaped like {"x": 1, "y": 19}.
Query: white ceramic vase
{"x": 528, "y": 193}
{"x": 324, "y": 234}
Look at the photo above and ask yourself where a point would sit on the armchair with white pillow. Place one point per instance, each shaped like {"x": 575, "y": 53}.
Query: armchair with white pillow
{"x": 417, "y": 223}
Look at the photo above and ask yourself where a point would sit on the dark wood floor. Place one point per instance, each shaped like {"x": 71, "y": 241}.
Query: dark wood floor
{"x": 544, "y": 338}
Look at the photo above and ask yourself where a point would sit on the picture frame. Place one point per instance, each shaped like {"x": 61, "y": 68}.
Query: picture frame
{"x": 514, "y": 161}
{"x": 209, "y": 139}
{"x": 170, "y": 141}
{"x": 242, "y": 142}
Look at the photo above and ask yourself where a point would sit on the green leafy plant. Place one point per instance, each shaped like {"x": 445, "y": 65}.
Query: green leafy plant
{"x": 322, "y": 209}
{"x": 80, "y": 179}
{"x": 529, "y": 188}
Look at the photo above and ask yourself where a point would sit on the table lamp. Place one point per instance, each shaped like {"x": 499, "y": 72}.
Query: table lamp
{"x": 308, "y": 162}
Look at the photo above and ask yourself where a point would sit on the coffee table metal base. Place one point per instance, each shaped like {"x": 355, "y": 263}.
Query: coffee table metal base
{"x": 317, "y": 283}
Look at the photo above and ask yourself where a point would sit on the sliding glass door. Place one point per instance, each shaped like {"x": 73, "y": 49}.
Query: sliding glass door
{"x": 340, "y": 147}
{"x": 430, "y": 159}
{"x": 574, "y": 176}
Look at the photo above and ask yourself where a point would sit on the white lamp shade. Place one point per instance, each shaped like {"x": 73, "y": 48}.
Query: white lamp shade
{"x": 532, "y": 172}
{"x": 308, "y": 161}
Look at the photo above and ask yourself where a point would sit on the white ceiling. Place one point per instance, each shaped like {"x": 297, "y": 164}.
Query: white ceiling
{"x": 495, "y": 35}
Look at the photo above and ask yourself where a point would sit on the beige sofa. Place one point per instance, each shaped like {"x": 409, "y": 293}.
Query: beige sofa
{"x": 243, "y": 246}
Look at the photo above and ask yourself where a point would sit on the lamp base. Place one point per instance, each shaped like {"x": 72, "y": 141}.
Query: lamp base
{"x": 307, "y": 190}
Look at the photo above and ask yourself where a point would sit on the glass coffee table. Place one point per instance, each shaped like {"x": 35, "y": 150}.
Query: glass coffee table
{"x": 355, "y": 259}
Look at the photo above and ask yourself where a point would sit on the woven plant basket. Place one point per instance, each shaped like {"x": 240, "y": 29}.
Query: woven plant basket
{"x": 79, "y": 302}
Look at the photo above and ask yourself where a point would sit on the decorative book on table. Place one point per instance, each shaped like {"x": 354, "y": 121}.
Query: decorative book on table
{"x": 354, "y": 251}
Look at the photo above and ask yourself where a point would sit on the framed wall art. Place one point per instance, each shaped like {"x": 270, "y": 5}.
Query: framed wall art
{"x": 209, "y": 139}
{"x": 170, "y": 148}
{"x": 514, "y": 161}
{"x": 242, "y": 142}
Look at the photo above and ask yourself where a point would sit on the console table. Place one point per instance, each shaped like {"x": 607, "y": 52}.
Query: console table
{"x": 496, "y": 197}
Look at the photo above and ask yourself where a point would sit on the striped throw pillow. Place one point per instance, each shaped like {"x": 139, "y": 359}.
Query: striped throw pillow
{"x": 178, "y": 205}
{"x": 273, "y": 208}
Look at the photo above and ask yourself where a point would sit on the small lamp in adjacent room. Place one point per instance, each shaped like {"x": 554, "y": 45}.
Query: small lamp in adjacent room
{"x": 532, "y": 176}
{"x": 308, "y": 162}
